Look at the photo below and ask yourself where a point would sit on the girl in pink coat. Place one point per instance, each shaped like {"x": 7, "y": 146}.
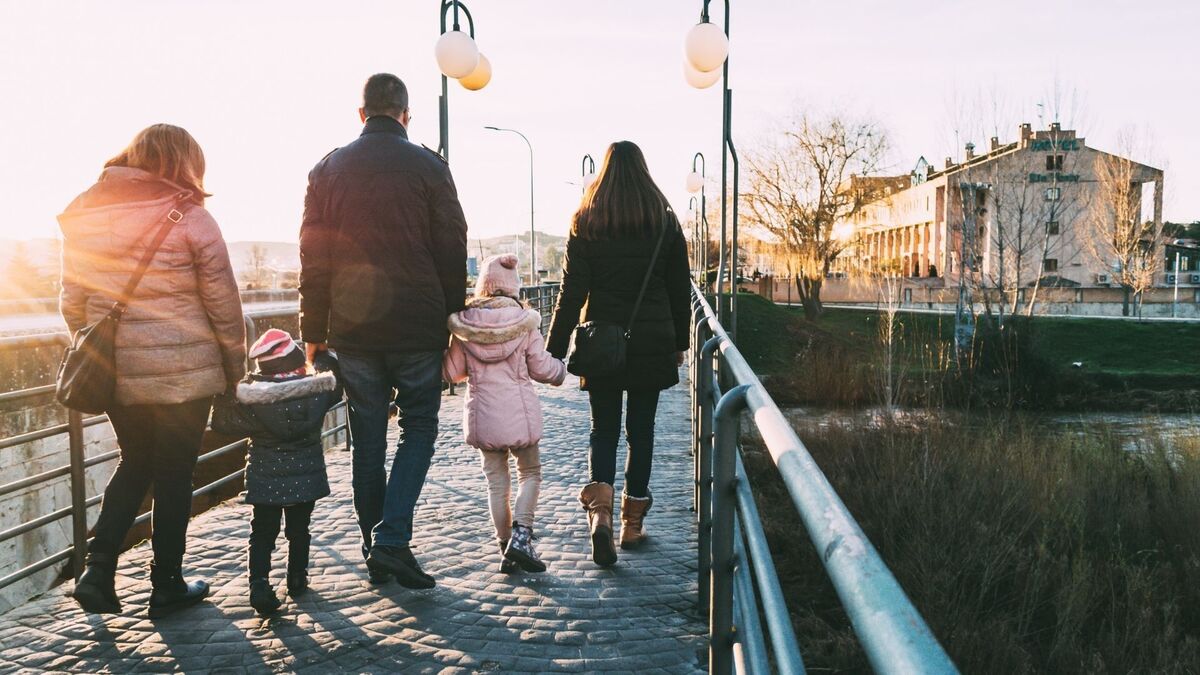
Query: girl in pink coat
{"x": 496, "y": 345}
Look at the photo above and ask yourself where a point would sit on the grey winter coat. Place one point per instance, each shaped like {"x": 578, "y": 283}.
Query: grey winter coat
{"x": 283, "y": 418}
{"x": 182, "y": 337}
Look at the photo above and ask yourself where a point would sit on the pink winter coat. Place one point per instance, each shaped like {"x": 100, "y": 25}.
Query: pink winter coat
{"x": 495, "y": 343}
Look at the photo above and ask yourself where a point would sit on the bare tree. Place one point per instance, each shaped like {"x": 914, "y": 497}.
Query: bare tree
{"x": 257, "y": 257}
{"x": 1118, "y": 234}
{"x": 807, "y": 181}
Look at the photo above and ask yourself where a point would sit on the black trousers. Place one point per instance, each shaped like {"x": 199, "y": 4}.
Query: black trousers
{"x": 264, "y": 530}
{"x": 159, "y": 445}
{"x": 639, "y": 434}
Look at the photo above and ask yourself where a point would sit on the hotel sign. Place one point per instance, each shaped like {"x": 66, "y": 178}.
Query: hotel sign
{"x": 1047, "y": 177}
{"x": 1047, "y": 145}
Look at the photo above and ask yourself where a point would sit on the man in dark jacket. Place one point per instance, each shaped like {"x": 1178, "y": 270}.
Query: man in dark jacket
{"x": 383, "y": 250}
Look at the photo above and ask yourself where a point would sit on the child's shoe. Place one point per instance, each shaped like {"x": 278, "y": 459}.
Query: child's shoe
{"x": 506, "y": 566}
{"x": 520, "y": 549}
{"x": 262, "y": 597}
{"x": 297, "y": 583}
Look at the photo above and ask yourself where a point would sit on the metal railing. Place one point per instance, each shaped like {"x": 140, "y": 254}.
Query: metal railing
{"x": 78, "y": 463}
{"x": 737, "y": 579}
{"x": 541, "y": 298}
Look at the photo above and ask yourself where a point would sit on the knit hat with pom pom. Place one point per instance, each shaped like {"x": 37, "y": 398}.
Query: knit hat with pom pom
{"x": 499, "y": 277}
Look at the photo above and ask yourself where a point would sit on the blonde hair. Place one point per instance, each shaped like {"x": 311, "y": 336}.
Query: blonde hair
{"x": 169, "y": 152}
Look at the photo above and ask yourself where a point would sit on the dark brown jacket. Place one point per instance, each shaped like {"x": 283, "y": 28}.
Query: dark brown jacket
{"x": 183, "y": 336}
{"x": 383, "y": 246}
{"x": 601, "y": 281}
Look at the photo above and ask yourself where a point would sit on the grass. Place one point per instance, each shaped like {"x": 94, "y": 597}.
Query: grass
{"x": 1025, "y": 553}
{"x": 1126, "y": 365}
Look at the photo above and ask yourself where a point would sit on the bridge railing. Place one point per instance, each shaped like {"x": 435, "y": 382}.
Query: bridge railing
{"x": 737, "y": 579}
{"x": 78, "y": 463}
{"x": 541, "y": 298}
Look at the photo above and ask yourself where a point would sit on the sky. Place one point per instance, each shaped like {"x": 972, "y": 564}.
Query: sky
{"x": 269, "y": 87}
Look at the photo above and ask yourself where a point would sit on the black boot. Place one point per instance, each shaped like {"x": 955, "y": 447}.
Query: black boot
{"x": 262, "y": 597}
{"x": 95, "y": 591}
{"x": 297, "y": 568}
{"x": 171, "y": 593}
{"x": 400, "y": 562}
{"x": 506, "y": 566}
{"x": 520, "y": 549}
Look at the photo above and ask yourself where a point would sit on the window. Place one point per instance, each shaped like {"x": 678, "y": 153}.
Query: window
{"x": 1052, "y": 227}
{"x": 1053, "y": 194}
{"x": 1050, "y": 265}
{"x": 1054, "y": 162}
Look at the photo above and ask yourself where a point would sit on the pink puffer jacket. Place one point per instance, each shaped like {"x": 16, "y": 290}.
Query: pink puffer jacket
{"x": 495, "y": 343}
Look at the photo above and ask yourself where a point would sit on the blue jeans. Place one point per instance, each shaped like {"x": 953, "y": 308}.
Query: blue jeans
{"x": 385, "y": 504}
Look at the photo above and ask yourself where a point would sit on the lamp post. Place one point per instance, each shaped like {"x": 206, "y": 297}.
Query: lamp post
{"x": 693, "y": 206}
{"x": 695, "y": 183}
{"x": 706, "y": 49}
{"x": 458, "y": 57}
{"x": 533, "y": 280}
{"x": 588, "y": 171}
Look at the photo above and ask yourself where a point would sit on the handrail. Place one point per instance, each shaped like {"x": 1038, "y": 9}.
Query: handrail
{"x": 893, "y": 634}
{"x": 541, "y": 298}
{"x": 73, "y": 428}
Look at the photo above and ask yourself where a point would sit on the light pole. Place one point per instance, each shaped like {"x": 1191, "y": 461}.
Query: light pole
{"x": 533, "y": 280}
{"x": 695, "y": 183}
{"x": 458, "y": 57}
{"x": 707, "y": 50}
{"x": 588, "y": 171}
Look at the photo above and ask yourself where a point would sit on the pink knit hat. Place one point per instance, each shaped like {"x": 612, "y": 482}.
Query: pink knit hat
{"x": 276, "y": 352}
{"x": 499, "y": 277}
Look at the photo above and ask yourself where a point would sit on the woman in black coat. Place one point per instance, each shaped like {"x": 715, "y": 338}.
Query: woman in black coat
{"x": 609, "y": 251}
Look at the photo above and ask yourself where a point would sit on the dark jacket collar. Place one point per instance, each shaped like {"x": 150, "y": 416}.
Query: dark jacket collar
{"x": 382, "y": 124}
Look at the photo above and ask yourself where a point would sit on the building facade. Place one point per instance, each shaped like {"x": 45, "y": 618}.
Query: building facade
{"x": 1009, "y": 218}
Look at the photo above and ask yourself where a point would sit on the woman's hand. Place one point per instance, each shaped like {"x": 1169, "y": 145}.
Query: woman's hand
{"x": 679, "y": 358}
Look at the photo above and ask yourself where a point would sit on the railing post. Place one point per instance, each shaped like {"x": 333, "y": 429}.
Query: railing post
{"x": 704, "y": 472}
{"x": 724, "y": 507}
{"x": 78, "y": 492}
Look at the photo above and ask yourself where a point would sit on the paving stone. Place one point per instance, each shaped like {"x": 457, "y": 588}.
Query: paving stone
{"x": 636, "y": 617}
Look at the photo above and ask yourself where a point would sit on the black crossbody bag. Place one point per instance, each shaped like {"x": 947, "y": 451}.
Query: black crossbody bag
{"x": 87, "y": 375}
{"x": 600, "y": 346}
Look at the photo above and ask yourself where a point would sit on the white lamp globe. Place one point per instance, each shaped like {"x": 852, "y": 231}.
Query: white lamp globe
{"x": 706, "y": 47}
{"x": 695, "y": 182}
{"x": 588, "y": 179}
{"x": 698, "y": 79}
{"x": 479, "y": 77}
{"x": 456, "y": 54}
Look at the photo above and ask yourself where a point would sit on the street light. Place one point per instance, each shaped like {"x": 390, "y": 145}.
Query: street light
{"x": 588, "y": 170}
{"x": 706, "y": 51}
{"x": 695, "y": 183}
{"x": 458, "y": 57}
{"x": 533, "y": 280}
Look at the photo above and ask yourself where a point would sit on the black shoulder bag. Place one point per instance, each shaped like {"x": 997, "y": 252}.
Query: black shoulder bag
{"x": 600, "y": 345}
{"x": 87, "y": 376}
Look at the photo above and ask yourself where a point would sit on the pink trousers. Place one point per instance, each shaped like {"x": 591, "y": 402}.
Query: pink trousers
{"x": 529, "y": 481}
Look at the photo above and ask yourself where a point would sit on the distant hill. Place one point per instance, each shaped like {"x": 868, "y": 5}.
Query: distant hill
{"x": 282, "y": 256}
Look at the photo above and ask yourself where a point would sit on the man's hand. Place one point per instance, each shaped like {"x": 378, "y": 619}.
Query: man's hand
{"x": 311, "y": 349}
{"x": 679, "y": 358}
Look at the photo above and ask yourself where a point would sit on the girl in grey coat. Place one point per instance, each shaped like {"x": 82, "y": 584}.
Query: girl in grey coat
{"x": 281, "y": 407}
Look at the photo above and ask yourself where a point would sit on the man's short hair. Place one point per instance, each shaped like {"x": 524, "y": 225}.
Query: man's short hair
{"x": 384, "y": 94}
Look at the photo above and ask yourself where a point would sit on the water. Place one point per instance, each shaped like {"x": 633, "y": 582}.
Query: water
{"x": 1133, "y": 428}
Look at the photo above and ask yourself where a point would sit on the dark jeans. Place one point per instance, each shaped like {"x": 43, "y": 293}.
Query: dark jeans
{"x": 159, "y": 445}
{"x": 639, "y": 434}
{"x": 264, "y": 530}
{"x": 385, "y": 503}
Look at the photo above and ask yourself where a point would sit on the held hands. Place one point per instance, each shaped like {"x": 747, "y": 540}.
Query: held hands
{"x": 311, "y": 349}
{"x": 679, "y": 358}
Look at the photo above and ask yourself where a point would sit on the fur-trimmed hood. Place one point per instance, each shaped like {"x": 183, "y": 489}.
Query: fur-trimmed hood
{"x": 492, "y": 328}
{"x": 260, "y": 392}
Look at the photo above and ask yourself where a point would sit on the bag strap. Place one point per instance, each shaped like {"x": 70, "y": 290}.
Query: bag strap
{"x": 649, "y": 270}
{"x": 173, "y": 216}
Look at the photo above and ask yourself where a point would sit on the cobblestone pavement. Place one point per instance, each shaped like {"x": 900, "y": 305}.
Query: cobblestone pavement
{"x": 638, "y": 616}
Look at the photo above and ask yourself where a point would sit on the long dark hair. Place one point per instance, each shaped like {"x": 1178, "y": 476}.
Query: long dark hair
{"x": 623, "y": 202}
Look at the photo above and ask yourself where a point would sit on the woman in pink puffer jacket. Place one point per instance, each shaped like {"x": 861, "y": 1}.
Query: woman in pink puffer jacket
{"x": 496, "y": 345}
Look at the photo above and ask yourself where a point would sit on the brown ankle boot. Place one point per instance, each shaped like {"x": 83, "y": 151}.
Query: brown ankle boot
{"x": 633, "y": 515}
{"x": 597, "y": 500}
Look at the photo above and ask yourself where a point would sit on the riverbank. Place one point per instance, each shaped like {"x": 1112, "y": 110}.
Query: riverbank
{"x": 1044, "y": 363}
{"x": 1026, "y": 552}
